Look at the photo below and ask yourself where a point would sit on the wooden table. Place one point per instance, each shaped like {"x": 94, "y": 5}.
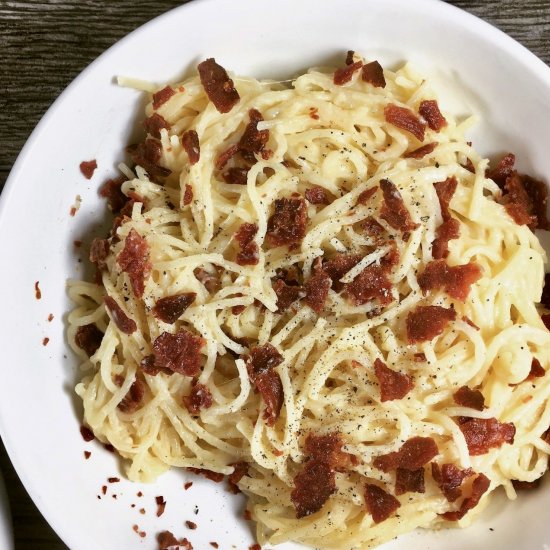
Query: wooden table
{"x": 45, "y": 44}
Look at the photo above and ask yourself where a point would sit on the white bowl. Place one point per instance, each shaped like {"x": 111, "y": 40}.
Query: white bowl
{"x": 476, "y": 67}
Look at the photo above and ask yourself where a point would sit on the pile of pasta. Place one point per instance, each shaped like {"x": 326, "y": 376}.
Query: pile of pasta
{"x": 322, "y": 291}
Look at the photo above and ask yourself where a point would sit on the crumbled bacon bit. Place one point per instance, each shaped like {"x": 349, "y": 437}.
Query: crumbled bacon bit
{"x": 466, "y": 397}
{"x": 240, "y": 470}
{"x": 249, "y": 253}
{"x": 120, "y": 319}
{"x": 483, "y": 434}
{"x": 338, "y": 266}
{"x": 132, "y": 400}
{"x": 154, "y": 124}
{"x": 167, "y": 541}
{"x": 545, "y": 298}
{"x": 373, "y": 73}
{"x": 287, "y": 294}
{"x": 349, "y": 57}
{"x": 545, "y": 318}
{"x": 287, "y": 224}
{"x": 37, "y": 291}
{"x": 179, "y": 352}
{"x": 87, "y": 454}
{"x": 413, "y": 454}
{"x": 317, "y": 287}
{"x": 86, "y": 433}
{"x": 419, "y": 357}
{"x": 317, "y": 195}
{"x": 479, "y": 488}
{"x": 187, "y": 195}
{"x": 109, "y": 447}
{"x": 162, "y": 96}
{"x": 149, "y": 367}
{"x": 455, "y": 280}
{"x": 161, "y": 505}
{"x": 214, "y": 544}
{"x": 502, "y": 170}
{"x": 371, "y": 284}
{"x": 447, "y": 231}
{"x": 254, "y": 140}
{"x": 88, "y": 338}
{"x": 188, "y": 485}
{"x": 112, "y": 191}
{"x": 405, "y": 119}
{"x": 449, "y": 478}
{"x": 255, "y": 547}
{"x": 199, "y": 398}
{"x": 469, "y": 322}
{"x": 99, "y": 250}
{"x": 190, "y": 142}
{"x": 380, "y": 504}
{"x": 113, "y": 479}
{"x": 87, "y": 167}
{"x": 216, "y": 477}
{"x": 148, "y": 155}
{"x": 365, "y": 196}
{"x": 191, "y": 525}
{"x": 537, "y": 370}
{"x": 260, "y": 365}
{"x": 236, "y": 176}
{"x": 421, "y": 152}
{"x": 134, "y": 260}
{"x": 314, "y": 113}
{"x": 211, "y": 282}
{"x": 526, "y": 485}
{"x": 218, "y": 86}
{"x": 247, "y": 515}
{"x": 170, "y": 308}
{"x": 104, "y": 489}
{"x": 409, "y": 481}
{"x": 429, "y": 111}
{"x": 225, "y": 156}
{"x": 394, "y": 210}
{"x": 343, "y": 75}
{"x": 427, "y": 322}
{"x": 393, "y": 385}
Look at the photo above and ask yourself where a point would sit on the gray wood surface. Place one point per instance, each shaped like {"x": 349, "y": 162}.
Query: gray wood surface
{"x": 45, "y": 44}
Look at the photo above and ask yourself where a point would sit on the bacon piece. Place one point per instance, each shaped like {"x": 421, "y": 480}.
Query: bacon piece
{"x": 343, "y": 75}
{"x": 120, "y": 319}
{"x": 179, "y": 352}
{"x": 317, "y": 287}
{"x": 148, "y": 155}
{"x": 483, "y": 434}
{"x": 366, "y": 195}
{"x": 502, "y": 170}
{"x": 393, "y": 385}
{"x": 218, "y": 86}
{"x": 405, "y": 119}
{"x": 446, "y": 232}
{"x": 162, "y": 96}
{"x": 111, "y": 190}
{"x": 225, "y": 156}
{"x": 413, "y": 455}
{"x": 88, "y": 338}
{"x": 190, "y": 142}
{"x": 211, "y": 282}
{"x": 132, "y": 400}
{"x": 466, "y": 397}
{"x": 373, "y": 229}
{"x": 216, "y": 477}
{"x": 134, "y": 260}
{"x": 338, "y": 266}
{"x": 260, "y": 365}
{"x": 545, "y": 298}
{"x": 449, "y": 478}
{"x": 421, "y": 152}
{"x": 249, "y": 253}
{"x": 86, "y": 434}
{"x": 545, "y": 318}
{"x": 240, "y": 469}
{"x": 526, "y": 485}
{"x": 328, "y": 448}
{"x": 87, "y": 167}
{"x": 427, "y": 322}
{"x": 317, "y": 195}
{"x": 537, "y": 370}
{"x": 170, "y": 308}
{"x": 236, "y": 176}
{"x": 371, "y": 284}
{"x": 99, "y": 250}
{"x": 429, "y": 111}
{"x": 349, "y": 57}
{"x": 409, "y": 481}
{"x": 287, "y": 294}
{"x": 187, "y": 195}
{"x": 479, "y": 488}
{"x": 254, "y": 140}
{"x": 199, "y": 398}
{"x": 380, "y": 504}
{"x": 287, "y": 225}
{"x": 148, "y": 366}
{"x": 154, "y": 124}
{"x": 373, "y": 73}
{"x": 526, "y": 201}
{"x": 445, "y": 191}
{"x": 455, "y": 280}
{"x": 394, "y": 210}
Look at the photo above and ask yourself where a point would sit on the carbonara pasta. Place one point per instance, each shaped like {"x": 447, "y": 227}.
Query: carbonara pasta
{"x": 320, "y": 290}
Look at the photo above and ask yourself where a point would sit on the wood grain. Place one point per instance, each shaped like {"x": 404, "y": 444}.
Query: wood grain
{"x": 44, "y": 45}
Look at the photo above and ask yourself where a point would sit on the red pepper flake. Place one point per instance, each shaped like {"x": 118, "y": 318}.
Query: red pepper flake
{"x": 170, "y": 308}
{"x": 87, "y": 454}
{"x": 373, "y": 73}
{"x": 218, "y": 86}
{"x": 87, "y": 167}
{"x": 121, "y": 320}
{"x": 393, "y": 385}
{"x": 429, "y": 111}
{"x": 380, "y": 504}
{"x": 162, "y": 96}
{"x": 191, "y": 525}
{"x": 190, "y": 142}
{"x": 413, "y": 455}
{"x": 161, "y": 505}
{"x": 343, "y": 75}
{"x": 45, "y": 341}
{"x": 154, "y": 124}
{"x": 427, "y": 322}
{"x": 405, "y": 119}
{"x": 483, "y": 434}
{"x": 421, "y": 152}
{"x": 188, "y": 485}
{"x": 86, "y": 433}
{"x": 37, "y": 291}
{"x": 187, "y": 195}
{"x": 466, "y": 397}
